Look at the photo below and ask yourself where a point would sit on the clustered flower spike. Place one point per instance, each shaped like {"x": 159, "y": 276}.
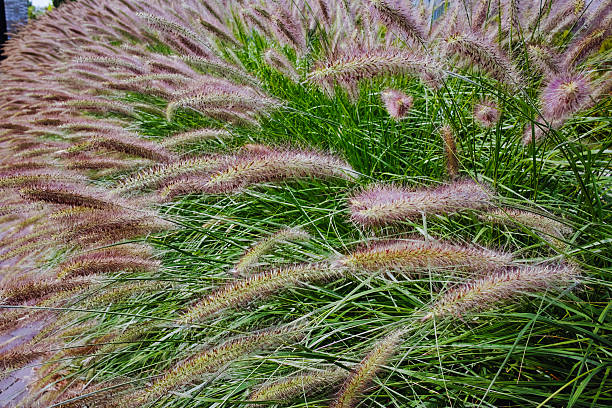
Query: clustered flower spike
{"x": 396, "y": 14}
{"x": 242, "y": 292}
{"x": 381, "y": 205}
{"x": 289, "y": 388}
{"x": 564, "y": 95}
{"x": 415, "y": 255}
{"x": 450, "y": 151}
{"x": 213, "y": 359}
{"x": 255, "y": 166}
{"x": 363, "y": 374}
{"x": 504, "y": 285}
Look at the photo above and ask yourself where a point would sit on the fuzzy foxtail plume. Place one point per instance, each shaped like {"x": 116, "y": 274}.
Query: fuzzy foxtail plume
{"x": 292, "y": 387}
{"x": 380, "y": 205}
{"x": 505, "y": 285}
{"x": 486, "y": 113}
{"x": 213, "y": 359}
{"x": 416, "y": 255}
{"x": 397, "y": 15}
{"x": 363, "y": 374}
{"x": 397, "y": 103}
{"x": 450, "y": 151}
{"x": 242, "y": 292}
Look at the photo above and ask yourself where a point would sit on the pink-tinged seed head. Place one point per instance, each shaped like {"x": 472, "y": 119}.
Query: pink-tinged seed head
{"x": 397, "y": 103}
{"x": 564, "y": 95}
{"x": 380, "y": 205}
{"x": 416, "y": 255}
{"x": 486, "y": 113}
{"x": 363, "y": 374}
{"x": 504, "y": 285}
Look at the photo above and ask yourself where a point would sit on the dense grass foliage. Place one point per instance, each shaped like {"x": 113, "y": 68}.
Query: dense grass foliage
{"x": 309, "y": 204}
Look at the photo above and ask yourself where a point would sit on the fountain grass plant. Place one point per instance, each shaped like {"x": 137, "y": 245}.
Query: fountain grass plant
{"x": 432, "y": 195}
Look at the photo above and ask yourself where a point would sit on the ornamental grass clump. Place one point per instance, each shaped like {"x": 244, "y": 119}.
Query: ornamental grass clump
{"x": 146, "y": 145}
{"x": 388, "y": 204}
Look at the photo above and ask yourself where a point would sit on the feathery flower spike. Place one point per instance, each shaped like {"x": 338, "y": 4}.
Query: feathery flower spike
{"x": 115, "y": 259}
{"x": 547, "y": 227}
{"x": 450, "y": 151}
{"x": 245, "y": 291}
{"x": 504, "y": 285}
{"x": 414, "y": 255}
{"x": 254, "y": 253}
{"x": 380, "y": 205}
{"x": 213, "y": 359}
{"x": 363, "y": 374}
{"x": 281, "y": 63}
{"x": 564, "y": 95}
{"x": 397, "y": 15}
{"x": 486, "y": 55}
{"x": 286, "y": 389}
{"x": 397, "y": 103}
{"x": 254, "y": 167}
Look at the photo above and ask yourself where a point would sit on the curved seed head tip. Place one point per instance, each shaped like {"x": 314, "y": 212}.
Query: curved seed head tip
{"x": 363, "y": 374}
{"x": 380, "y": 205}
{"x": 415, "y": 255}
{"x": 486, "y": 113}
{"x": 397, "y": 103}
{"x": 501, "y": 286}
{"x": 564, "y": 95}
